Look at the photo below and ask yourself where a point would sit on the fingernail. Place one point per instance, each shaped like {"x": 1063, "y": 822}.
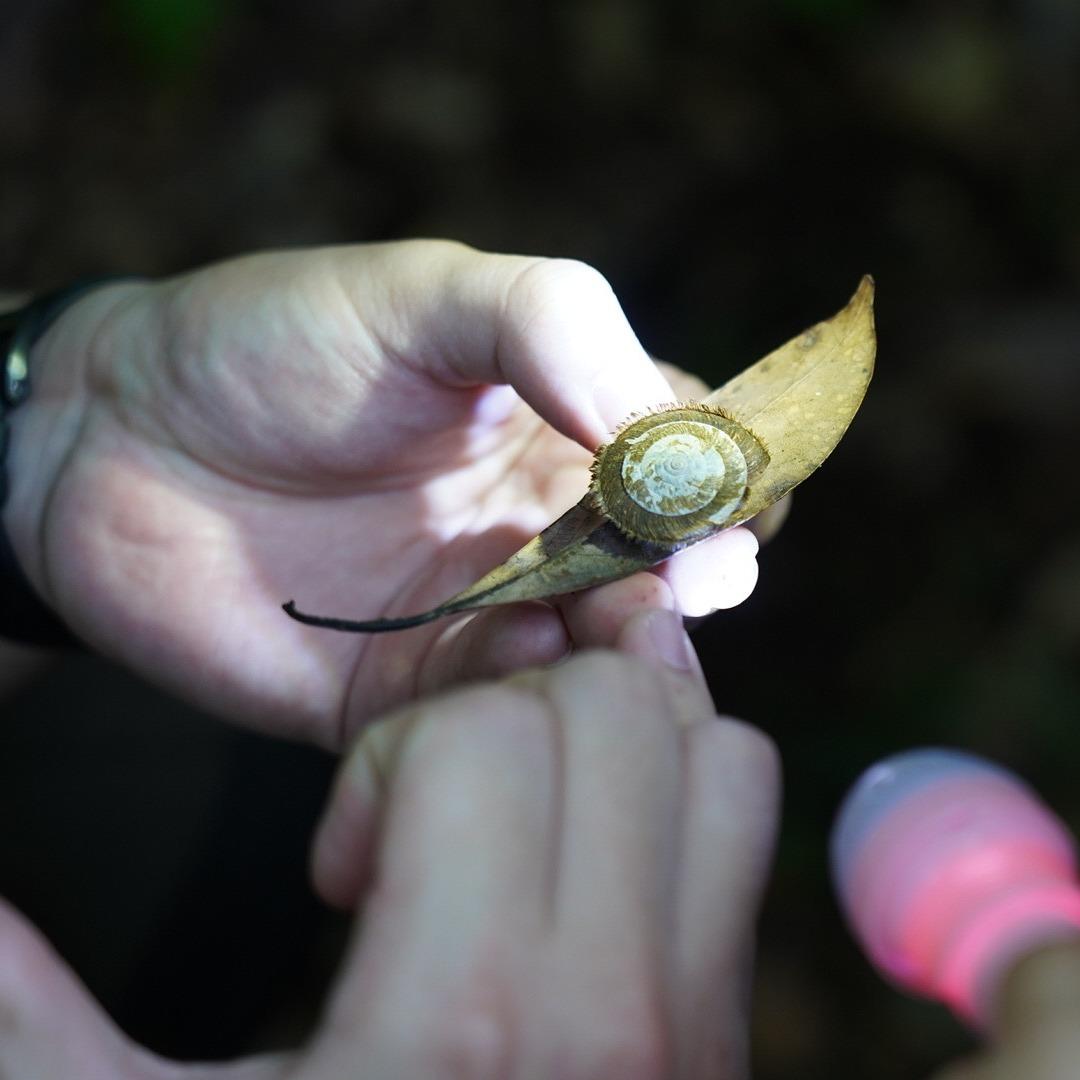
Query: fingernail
{"x": 670, "y": 640}
{"x": 611, "y": 406}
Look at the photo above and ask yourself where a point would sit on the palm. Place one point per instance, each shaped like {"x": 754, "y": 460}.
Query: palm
{"x": 321, "y": 426}
{"x": 265, "y": 458}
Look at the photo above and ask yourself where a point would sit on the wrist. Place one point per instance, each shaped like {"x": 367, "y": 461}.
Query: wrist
{"x": 44, "y": 429}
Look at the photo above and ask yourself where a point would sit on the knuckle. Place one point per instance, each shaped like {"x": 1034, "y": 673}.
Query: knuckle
{"x": 445, "y": 256}
{"x": 472, "y": 1043}
{"x": 606, "y": 666}
{"x": 637, "y": 1049}
{"x": 475, "y": 716}
{"x": 445, "y": 246}
{"x": 625, "y": 685}
{"x": 547, "y": 282}
{"x": 438, "y": 1034}
{"x": 755, "y": 750}
{"x": 573, "y": 273}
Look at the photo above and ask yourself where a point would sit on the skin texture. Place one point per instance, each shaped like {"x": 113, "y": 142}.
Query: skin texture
{"x": 558, "y": 866}
{"x": 558, "y": 871}
{"x": 367, "y": 429}
{"x": 364, "y": 429}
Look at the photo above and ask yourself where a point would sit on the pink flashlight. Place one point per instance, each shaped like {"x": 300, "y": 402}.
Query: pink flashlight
{"x": 950, "y": 869}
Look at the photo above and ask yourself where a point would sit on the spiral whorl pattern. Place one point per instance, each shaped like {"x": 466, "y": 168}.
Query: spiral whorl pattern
{"x": 677, "y": 474}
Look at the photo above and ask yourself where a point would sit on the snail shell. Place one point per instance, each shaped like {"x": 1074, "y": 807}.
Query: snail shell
{"x": 676, "y": 475}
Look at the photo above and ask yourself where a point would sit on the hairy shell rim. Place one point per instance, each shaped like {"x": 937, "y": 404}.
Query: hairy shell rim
{"x": 609, "y": 496}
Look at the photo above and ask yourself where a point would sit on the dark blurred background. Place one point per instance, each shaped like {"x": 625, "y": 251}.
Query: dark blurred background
{"x": 733, "y": 167}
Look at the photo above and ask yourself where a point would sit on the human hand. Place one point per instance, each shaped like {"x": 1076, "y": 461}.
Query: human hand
{"x": 329, "y": 425}
{"x": 1037, "y": 1030}
{"x": 558, "y": 875}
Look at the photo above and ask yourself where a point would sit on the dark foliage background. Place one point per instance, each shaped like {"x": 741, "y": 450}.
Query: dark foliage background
{"x": 732, "y": 167}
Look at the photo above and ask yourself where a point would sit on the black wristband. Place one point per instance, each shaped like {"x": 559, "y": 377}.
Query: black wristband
{"x": 24, "y": 616}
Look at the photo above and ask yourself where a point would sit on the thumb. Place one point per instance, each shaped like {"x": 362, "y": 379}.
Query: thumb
{"x": 52, "y": 1029}
{"x": 550, "y": 328}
